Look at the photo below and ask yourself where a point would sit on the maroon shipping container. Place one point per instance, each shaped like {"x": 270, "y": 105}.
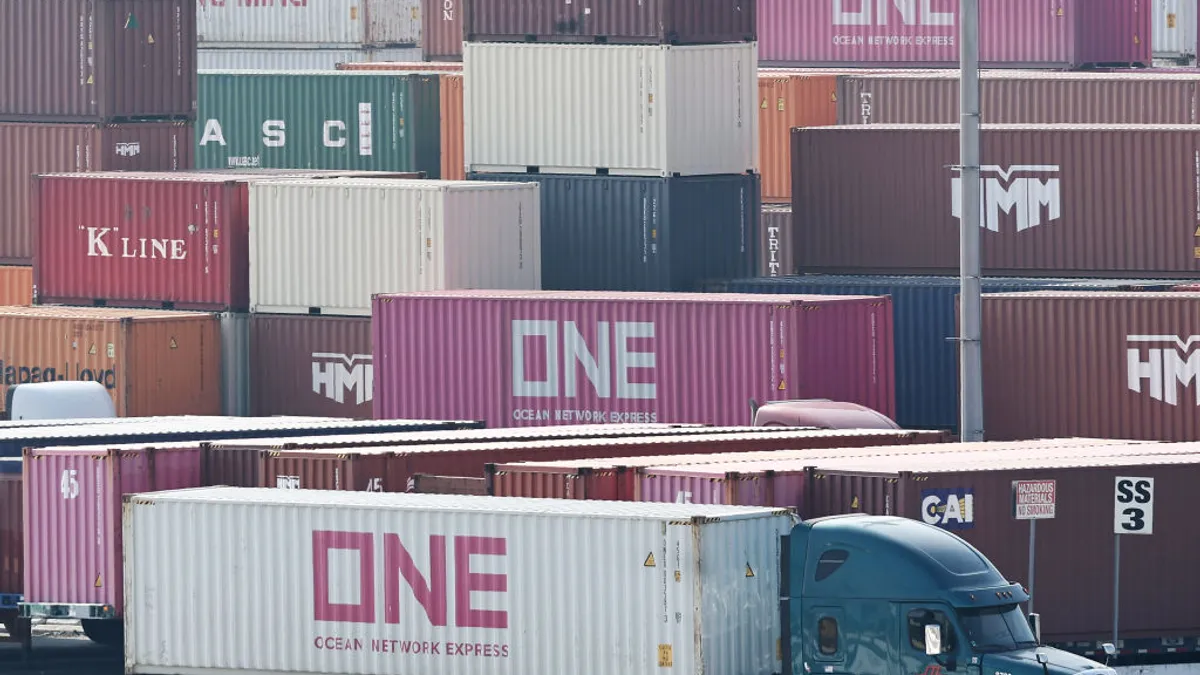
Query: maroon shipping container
{"x": 45, "y": 148}
{"x": 615, "y": 478}
{"x": 1118, "y": 365}
{"x": 359, "y": 469}
{"x": 12, "y": 552}
{"x": 97, "y": 60}
{"x": 776, "y": 257}
{"x": 449, "y": 485}
{"x": 310, "y": 365}
{"x": 677, "y": 22}
{"x": 442, "y": 30}
{"x": 1111, "y": 201}
{"x": 1158, "y": 580}
{"x": 1020, "y": 97}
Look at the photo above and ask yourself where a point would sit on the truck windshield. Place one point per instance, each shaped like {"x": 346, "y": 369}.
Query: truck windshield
{"x": 997, "y": 629}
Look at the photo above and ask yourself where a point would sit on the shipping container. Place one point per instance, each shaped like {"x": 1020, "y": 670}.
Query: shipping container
{"x": 310, "y": 365}
{"x": 1124, "y": 362}
{"x": 326, "y": 246}
{"x": 789, "y": 99}
{"x": 1013, "y": 33}
{"x": 1054, "y": 201}
{"x": 12, "y": 529}
{"x": 33, "y": 148}
{"x": 1160, "y": 96}
{"x": 453, "y": 164}
{"x": 235, "y": 364}
{"x": 180, "y": 541}
{"x": 97, "y": 60}
{"x": 776, "y": 248}
{"x": 424, "y": 483}
{"x": 1175, "y": 24}
{"x": 664, "y": 110}
{"x": 607, "y": 233}
{"x": 152, "y": 362}
{"x": 925, "y": 326}
{"x": 615, "y": 477}
{"x": 188, "y": 248}
{"x": 297, "y": 59}
{"x": 319, "y": 120}
{"x": 975, "y": 499}
{"x": 442, "y": 30}
{"x": 380, "y": 64}
{"x": 326, "y": 24}
{"x": 675, "y": 22}
{"x": 16, "y": 285}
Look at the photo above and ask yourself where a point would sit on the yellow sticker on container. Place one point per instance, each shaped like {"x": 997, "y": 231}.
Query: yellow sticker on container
{"x": 666, "y": 657}
{"x": 354, "y": 13}
{"x": 99, "y": 581}
{"x": 92, "y": 349}
{"x": 174, "y": 344}
{"x": 1171, "y": 20}
{"x": 783, "y": 383}
{"x": 1196, "y": 253}
{"x": 764, "y": 104}
{"x": 650, "y": 558}
{"x": 749, "y": 571}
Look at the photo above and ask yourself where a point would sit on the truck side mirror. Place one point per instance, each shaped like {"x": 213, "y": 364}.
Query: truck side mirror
{"x": 933, "y": 639}
{"x": 1035, "y": 624}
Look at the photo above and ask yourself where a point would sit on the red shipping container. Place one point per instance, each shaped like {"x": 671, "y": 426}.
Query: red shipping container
{"x": 11, "y": 541}
{"x": 97, "y": 60}
{"x": 441, "y": 30}
{"x": 1055, "y": 199}
{"x": 677, "y": 22}
{"x": 536, "y": 358}
{"x": 1024, "y": 33}
{"x": 311, "y": 365}
{"x": 170, "y": 241}
{"x": 73, "y": 547}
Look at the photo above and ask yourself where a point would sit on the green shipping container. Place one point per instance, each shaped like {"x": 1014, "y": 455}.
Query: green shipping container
{"x": 360, "y": 121}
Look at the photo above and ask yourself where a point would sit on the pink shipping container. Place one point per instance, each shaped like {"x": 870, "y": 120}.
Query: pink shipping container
{"x": 543, "y": 357}
{"x": 1025, "y": 33}
{"x": 73, "y": 522}
{"x": 442, "y": 30}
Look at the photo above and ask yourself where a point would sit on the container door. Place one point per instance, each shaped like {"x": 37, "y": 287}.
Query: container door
{"x": 913, "y": 619}
{"x": 825, "y": 642}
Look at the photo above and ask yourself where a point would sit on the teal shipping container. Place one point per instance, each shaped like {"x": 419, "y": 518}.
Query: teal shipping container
{"x": 388, "y": 121}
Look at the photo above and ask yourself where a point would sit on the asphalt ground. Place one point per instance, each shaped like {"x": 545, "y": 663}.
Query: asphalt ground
{"x": 58, "y": 646}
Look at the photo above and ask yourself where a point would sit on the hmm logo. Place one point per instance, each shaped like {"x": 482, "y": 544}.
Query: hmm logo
{"x": 951, "y": 509}
{"x": 877, "y": 13}
{"x": 1022, "y": 189}
{"x": 128, "y": 149}
{"x": 562, "y": 349}
{"x": 335, "y": 374}
{"x": 433, "y": 591}
{"x": 1159, "y": 364}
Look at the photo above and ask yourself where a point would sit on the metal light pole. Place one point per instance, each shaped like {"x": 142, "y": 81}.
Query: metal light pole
{"x": 971, "y": 375}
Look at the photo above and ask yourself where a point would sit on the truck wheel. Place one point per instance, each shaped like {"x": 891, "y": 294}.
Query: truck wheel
{"x": 107, "y": 632}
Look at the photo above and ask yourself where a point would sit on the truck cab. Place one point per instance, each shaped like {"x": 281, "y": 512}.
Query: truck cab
{"x": 880, "y": 594}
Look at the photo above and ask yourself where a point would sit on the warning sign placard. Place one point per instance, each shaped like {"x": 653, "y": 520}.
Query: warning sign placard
{"x": 1034, "y": 499}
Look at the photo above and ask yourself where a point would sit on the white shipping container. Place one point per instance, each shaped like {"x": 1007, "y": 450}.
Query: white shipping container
{"x": 300, "y": 23}
{"x": 656, "y": 110}
{"x": 331, "y": 244}
{"x": 298, "y": 59}
{"x": 229, "y": 580}
{"x": 1175, "y": 27}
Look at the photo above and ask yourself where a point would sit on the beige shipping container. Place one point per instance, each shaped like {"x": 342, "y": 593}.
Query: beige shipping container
{"x": 153, "y": 362}
{"x": 325, "y": 246}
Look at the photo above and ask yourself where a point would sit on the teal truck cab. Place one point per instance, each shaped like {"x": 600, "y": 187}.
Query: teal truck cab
{"x": 869, "y": 595}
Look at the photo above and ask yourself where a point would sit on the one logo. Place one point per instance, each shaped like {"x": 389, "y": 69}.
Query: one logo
{"x": 334, "y": 374}
{"x": 1022, "y": 191}
{"x": 876, "y": 13}
{"x": 619, "y": 364}
{"x": 1159, "y": 365}
{"x": 128, "y": 149}
{"x": 950, "y": 509}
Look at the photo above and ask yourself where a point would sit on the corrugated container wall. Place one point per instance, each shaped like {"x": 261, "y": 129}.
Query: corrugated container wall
{"x": 33, "y": 148}
{"x": 511, "y": 358}
{"x": 12, "y": 538}
{"x": 1120, "y": 359}
{"x": 380, "y": 64}
{"x": 152, "y": 362}
{"x": 788, "y": 100}
{"x": 319, "y": 120}
{"x": 73, "y": 515}
{"x": 1175, "y": 24}
{"x": 97, "y": 60}
{"x": 442, "y": 30}
{"x": 1024, "y": 33}
{"x": 624, "y": 563}
{"x": 676, "y": 22}
{"x": 328, "y": 23}
{"x": 16, "y": 285}
{"x": 235, "y": 364}
{"x": 776, "y": 252}
{"x": 296, "y": 59}
{"x": 311, "y": 365}
{"x": 1020, "y": 97}
{"x": 664, "y": 110}
{"x": 1046, "y": 209}
{"x": 453, "y": 164}
{"x": 925, "y": 324}
{"x": 643, "y": 234}
{"x": 326, "y": 246}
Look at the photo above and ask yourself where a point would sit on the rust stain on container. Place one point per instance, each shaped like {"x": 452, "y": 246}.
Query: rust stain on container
{"x": 453, "y": 165}
{"x": 152, "y": 362}
{"x": 310, "y": 365}
{"x": 16, "y": 285}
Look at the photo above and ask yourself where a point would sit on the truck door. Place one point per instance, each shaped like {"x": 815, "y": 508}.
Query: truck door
{"x": 913, "y": 660}
{"x": 825, "y": 646}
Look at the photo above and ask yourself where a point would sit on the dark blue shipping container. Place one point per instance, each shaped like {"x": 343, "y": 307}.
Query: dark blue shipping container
{"x": 12, "y": 441}
{"x": 924, "y": 320}
{"x": 605, "y": 233}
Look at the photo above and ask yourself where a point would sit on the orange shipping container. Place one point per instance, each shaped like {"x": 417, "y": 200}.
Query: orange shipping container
{"x": 453, "y": 164}
{"x": 16, "y": 285}
{"x": 789, "y": 99}
{"x": 153, "y": 362}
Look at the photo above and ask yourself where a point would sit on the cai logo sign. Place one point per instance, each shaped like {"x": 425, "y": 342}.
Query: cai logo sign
{"x": 950, "y": 509}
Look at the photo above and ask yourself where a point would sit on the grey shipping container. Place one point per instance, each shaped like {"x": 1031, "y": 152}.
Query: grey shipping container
{"x": 97, "y": 60}
{"x": 776, "y": 257}
{"x": 235, "y": 364}
{"x": 374, "y": 121}
{"x": 644, "y": 234}
{"x": 311, "y": 365}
